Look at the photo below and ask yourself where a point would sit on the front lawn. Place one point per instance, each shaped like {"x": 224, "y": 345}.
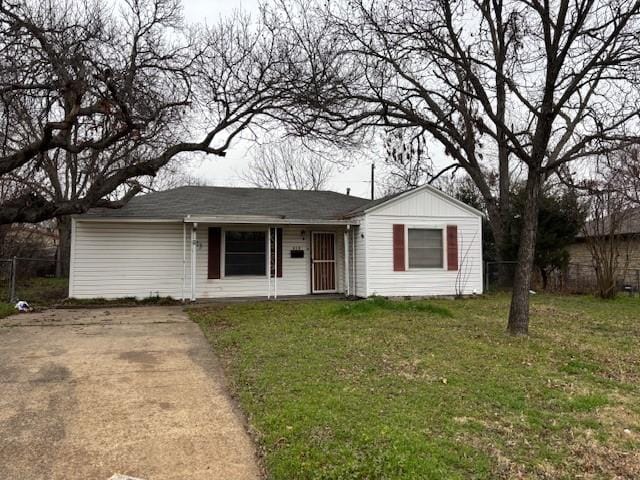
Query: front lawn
{"x": 379, "y": 389}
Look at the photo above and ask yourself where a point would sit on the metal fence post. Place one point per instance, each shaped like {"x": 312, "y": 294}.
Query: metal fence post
{"x": 486, "y": 277}
{"x": 13, "y": 279}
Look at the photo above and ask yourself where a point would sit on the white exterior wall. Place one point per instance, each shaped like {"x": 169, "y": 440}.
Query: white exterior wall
{"x": 360, "y": 260}
{"x": 113, "y": 260}
{"x": 422, "y": 209}
{"x": 296, "y": 272}
{"x": 124, "y": 259}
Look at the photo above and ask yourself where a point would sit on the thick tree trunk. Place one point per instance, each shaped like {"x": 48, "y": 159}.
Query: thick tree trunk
{"x": 64, "y": 246}
{"x": 519, "y": 311}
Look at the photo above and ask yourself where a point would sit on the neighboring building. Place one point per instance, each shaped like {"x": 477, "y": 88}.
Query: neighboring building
{"x": 218, "y": 242}
{"x": 628, "y": 242}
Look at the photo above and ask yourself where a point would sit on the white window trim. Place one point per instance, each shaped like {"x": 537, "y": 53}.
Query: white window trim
{"x": 430, "y": 226}
{"x": 223, "y": 249}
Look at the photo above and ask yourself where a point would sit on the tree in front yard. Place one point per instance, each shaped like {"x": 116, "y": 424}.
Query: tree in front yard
{"x": 560, "y": 220}
{"x": 96, "y": 98}
{"x": 503, "y": 86}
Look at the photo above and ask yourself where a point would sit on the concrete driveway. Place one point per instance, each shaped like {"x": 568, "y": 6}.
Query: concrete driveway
{"x": 87, "y": 394}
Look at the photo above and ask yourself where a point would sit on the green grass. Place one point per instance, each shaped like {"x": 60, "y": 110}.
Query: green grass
{"x": 122, "y": 301}
{"x": 369, "y": 306}
{"x": 6, "y": 309}
{"x": 42, "y": 291}
{"x": 435, "y": 389}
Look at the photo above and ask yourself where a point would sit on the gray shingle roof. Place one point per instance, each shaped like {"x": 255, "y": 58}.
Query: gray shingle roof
{"x": 372, "y": 203}
{"x": 179, "y": 202}
{"x": 628, "y": 224}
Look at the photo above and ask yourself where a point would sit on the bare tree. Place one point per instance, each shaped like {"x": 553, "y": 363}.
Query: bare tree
{"x": 94, "y": 99}
{"x": 502, "y": 85}
{"x": 607, "y": 239}
{"x": 289, "y": 164}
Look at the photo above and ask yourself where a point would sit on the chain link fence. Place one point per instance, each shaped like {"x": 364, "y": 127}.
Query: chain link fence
{"x": 6, "y": 272}
{"x": 581, "y": 278}
{"x": 32, "y": 280}
{"x": 498, "y": 276}
{"x": 575, "y": 278}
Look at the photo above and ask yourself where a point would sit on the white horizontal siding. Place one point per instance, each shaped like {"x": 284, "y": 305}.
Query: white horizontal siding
{"x": 359, "y": 261}
{"x": 113, "y": 260}
{"x": 427, "y": 209}
{"x": 296, "y": 272}
{"x": 382, "y": 280}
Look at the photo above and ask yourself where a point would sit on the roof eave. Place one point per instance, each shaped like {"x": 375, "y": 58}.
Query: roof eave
{"x": 257, "y": 219}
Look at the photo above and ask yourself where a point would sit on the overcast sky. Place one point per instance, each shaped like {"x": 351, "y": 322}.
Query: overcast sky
{"x": 224, "y": 171}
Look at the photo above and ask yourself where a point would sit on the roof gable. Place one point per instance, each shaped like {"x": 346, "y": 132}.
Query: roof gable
{"x": 438, "y": 204}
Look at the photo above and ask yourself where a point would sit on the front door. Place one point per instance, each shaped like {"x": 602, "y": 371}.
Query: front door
{"x": 323, "y": 262}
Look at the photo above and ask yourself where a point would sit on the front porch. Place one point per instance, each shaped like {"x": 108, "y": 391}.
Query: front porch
{"x": 231, "y": 258}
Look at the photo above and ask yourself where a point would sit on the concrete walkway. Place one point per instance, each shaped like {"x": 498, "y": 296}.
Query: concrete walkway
{"x": 87, "y": 394}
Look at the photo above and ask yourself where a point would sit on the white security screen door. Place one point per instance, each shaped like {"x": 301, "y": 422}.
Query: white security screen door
{"x": 323, "y": 262}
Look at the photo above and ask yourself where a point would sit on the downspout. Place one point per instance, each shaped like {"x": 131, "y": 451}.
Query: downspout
{"x": 184, "y": 258}
{"x": 194, "y": 242}
{"x": 347, "y": 269}
{"x": 275, "y": 265}
{"x": 72, "y": 262}
{"x": 353, "y": 260}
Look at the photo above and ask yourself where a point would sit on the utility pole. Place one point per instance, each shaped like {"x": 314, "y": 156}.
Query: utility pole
{"x": 373, "y": 168}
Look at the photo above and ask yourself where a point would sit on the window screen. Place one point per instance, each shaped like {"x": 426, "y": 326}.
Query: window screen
{"x": 425, "y": 248}
{"x": 245, "y": 253}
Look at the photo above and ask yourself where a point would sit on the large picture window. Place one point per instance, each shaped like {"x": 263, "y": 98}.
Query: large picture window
{"x": 245, "y": 253}
{"x": 425, "y": 248}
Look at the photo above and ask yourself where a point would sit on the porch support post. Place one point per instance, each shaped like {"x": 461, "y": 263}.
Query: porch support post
{"x": 347, "y": 272}
{"x": 184, "y": 258}
{"x": 275, "y": 266}
{"x": 268, "y": 262}
{"x": 194, "y": 246}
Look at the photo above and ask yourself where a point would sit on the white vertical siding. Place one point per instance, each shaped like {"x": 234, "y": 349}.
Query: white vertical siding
{"x": 427, "y": 209}
{"x": 423, "y": 203}
{"x": 113, "y": 260}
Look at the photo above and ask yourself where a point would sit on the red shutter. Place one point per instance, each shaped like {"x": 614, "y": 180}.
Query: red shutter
{"x": 279, "y": 247}
{"x": 452, "y": 247}
{"x": 398, "y": 248}
{"x": 213, "y": 261}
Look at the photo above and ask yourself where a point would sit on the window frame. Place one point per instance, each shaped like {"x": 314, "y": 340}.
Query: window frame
{"x": 223, "y": 251}
{"x": 443, "y": 232}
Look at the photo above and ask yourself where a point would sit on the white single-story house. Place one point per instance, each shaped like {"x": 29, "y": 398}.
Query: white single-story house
{"x": 217, "y": 242}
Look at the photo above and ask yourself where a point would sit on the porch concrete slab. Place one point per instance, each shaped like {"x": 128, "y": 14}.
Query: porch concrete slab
{"x": 123, "y": 391}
